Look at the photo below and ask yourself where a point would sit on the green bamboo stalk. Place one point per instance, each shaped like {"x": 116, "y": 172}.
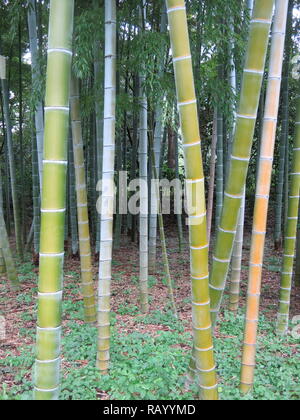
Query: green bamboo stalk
{"x": 236, "y": 262}
{"x": 290, "y": 233}
{"x": 88, "y": 293}
{"x": 11, "y": 159}
{"x": 155, "y": 185}
{"x": 283, "y": 154}
{"x": 47, "y": 366}
{"x": 2, "y": 263}
{"x": 262, "y": 196}
{"x": 71, "y": 195}
{"x": 297, "y": 265}
{"x": 242, "y": 143}
{"x": 107, "y": 202}
{"x": 36, "y": 74}
{"x": 187, "y": 105}
{"x": 35, "y": 197}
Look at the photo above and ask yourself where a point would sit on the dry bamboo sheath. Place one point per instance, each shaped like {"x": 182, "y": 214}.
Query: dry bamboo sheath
{"x": 47, "y": 367}
{"x": 241, "y": 149}
{"x": 187, "y": 106}
{"x": 262, "y": 194}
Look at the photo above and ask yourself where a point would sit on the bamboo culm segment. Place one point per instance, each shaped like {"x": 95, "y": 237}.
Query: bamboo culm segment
{"x": 158, "y": 134}
{"x": 88, "y": 292}
{"x": 262, "y": 195}
{"x": 7, "y": 262}
{"x": 47, "y": 366}
{"x": 144, "y": 211}
{"x": 236, "y": 263}
{"x": 162, "y": 236}
{"x": 36, "y": 73}
{"x": 107, "y": 201}
{"x": 241, "y": 149}
{"x": 187, "y": 105}
{"x": 290, "y": 234}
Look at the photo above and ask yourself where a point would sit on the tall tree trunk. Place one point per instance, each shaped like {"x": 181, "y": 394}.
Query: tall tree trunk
{"x": 47, "y": 366}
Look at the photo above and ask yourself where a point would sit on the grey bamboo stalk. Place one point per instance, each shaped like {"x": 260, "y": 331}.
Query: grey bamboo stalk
{"x": 48, "y": 348}
{"x": 158, "y": 133}
{"x": 99, "y": 117}
{"x": 88, "y": 292}
{"x": 242, "y": 143}
{"x": 212, "y": 173}
{"x": 262, "y": 195}
{"x": 36, "y": 74}
{"x": 11, "y": 159}
{"x": 179, "y": 210}
{"x": 143, "y": 160}
{"x": 107, "y": 201}
{"x": 6, "y": 255}
{"x": 219, "y": 168}
{"x": 290, "y": 234}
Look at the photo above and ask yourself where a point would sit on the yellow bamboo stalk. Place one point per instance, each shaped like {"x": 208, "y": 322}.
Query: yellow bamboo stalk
{"x": 187, "y": 106}
{"x": 241, "y": 149}
{"x": 88, "y": 292}
{"x": 262, "y": 195}
{"x": 53, "y": 208}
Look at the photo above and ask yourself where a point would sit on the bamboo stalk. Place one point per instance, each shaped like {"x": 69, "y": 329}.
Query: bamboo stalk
{"x": 262, "y": 195}
{"x": 143, "y": 161}
{"x": 290, "y": 234}
{"x": 187, "y": 105}
{"x": 107, "y": 201}
{"x": 88, "y": 292}
{"x": 242, "y": 143}
{"x": 47, "y": 366}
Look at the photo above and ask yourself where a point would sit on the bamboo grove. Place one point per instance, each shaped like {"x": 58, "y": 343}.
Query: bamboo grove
{"x": 124, "y": 121}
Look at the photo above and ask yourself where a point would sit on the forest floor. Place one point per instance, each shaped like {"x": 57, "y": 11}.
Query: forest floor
{"x": 149, "y": 353}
